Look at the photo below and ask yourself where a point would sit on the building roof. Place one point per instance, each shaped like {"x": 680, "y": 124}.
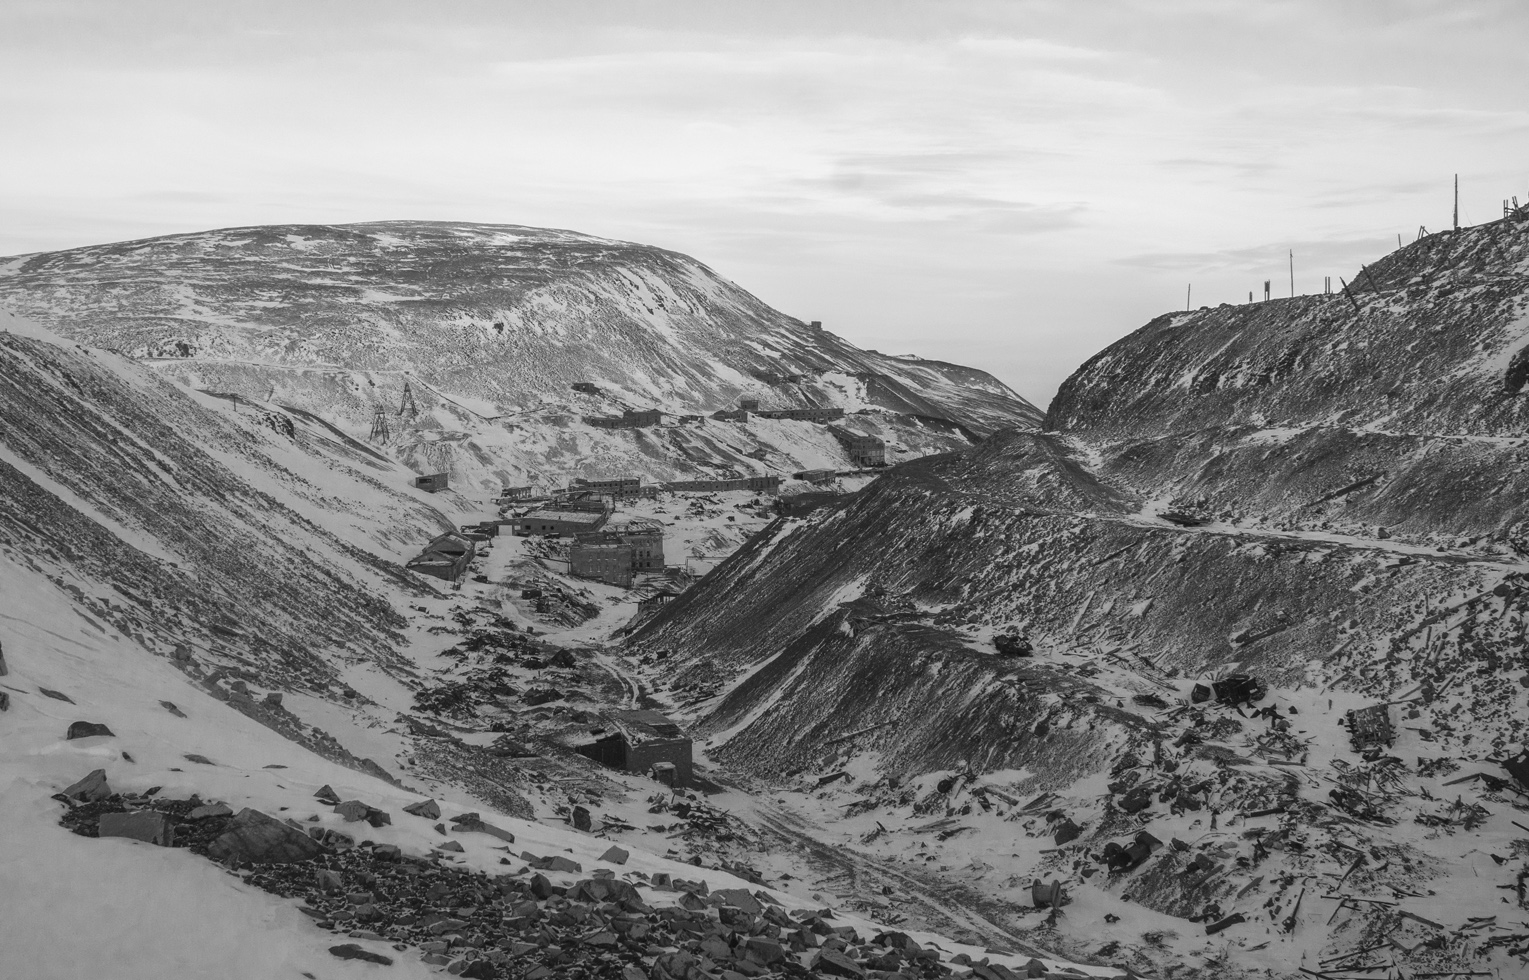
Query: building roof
{"x": 637, "y": 525}
{"x": 451, "y": 543}
{"x": 644, "y": 725}
{"x": 567, "y": 516}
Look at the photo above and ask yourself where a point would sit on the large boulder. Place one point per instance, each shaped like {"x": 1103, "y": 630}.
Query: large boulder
{"x": 86, "y": 729}
{"x": 428, "y": 809}
{"x": 93, "y": 787}
{"x": 144, "y": 825}
{"x": 354, "y": 810}
{"x": 256, "y": 838}
{"x": 739, "y": 898}
{"x": 833, "y": 962}
{"x": 354, "y": 951}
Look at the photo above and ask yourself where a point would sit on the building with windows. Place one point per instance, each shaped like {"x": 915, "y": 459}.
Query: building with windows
{"x": 802, "y": 414}
{"x": 863, "y": 450}
{"x": 617, "y": 552}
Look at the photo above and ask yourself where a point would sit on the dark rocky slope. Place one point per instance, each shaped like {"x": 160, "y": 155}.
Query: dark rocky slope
{"x": 242, "y": 547}
{"x": 1303, "y": 536}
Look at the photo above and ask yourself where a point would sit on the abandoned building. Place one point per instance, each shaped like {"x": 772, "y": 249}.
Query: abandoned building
{"x": 749, "y": 404}
{"x": 626, "y": 420}
{"x": 514, "y": 493}
{"x": 617, "y": 552}
{"x": 646, "y": 539}
{"x": 816, "y": 476}
{"x": 863, "y": 450}
{"x": 802, "y": 414}
{"x": 803, "y": 503}
{"x": 723, "y": 415}
{"x": 657, "y": 599}
{"x": 446, "y": 557}
{"x": 604, "y": 561}
{"x": 619, "y": 485}
{"x": 555, "y": 522}
{"x": 646, "y": 742}
{"x": 758, "y": 484}
{"x": 433, "y": 483}
{"x": 585, "y": 500}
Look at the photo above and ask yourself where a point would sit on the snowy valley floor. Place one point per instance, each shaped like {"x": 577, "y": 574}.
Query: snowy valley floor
{"x": 1402, "y": 865}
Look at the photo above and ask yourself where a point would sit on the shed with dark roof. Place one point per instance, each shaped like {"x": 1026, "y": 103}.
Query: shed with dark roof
{"x": 643, "y": 741}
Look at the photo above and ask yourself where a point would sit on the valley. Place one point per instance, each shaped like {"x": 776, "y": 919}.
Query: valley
{"x": 1217, "y": 669}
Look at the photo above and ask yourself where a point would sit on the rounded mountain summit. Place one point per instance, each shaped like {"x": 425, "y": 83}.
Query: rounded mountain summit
{"x": 499, "y": 318}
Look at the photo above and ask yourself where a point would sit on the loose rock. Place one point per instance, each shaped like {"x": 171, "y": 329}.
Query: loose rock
{"x": 254, "y": 837}
{"x": 428, "y": 809}
{"x": 92, "y": 787}
{"x": 350, "y": 951}
{"x": 144, "y": 825}
{"x": 87, "y": 729}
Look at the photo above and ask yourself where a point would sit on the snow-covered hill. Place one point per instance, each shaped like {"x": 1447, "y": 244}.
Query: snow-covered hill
{"x": 493, "y": 324}
{"x": 1329, "y": 499}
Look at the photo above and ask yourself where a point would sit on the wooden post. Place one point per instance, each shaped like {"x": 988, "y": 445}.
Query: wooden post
{"x": 1365, "y": 270}
{"x": 1349, "y": 295}
{"x": 1187, "y": 290}
{"x": 1292, "y": 273}
{"x": 1457, "y": 202}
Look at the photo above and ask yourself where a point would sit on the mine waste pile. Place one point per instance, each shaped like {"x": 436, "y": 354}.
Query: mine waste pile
{"x": 1226, "y": 665}
{"x": 543, "y": 918}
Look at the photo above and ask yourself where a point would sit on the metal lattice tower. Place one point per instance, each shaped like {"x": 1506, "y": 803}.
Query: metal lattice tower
{"x": 380, "y": 432}
{"x": 407, "y": 408}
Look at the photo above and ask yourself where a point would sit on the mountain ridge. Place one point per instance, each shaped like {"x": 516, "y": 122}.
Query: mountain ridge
{"x": 657, "y": 327}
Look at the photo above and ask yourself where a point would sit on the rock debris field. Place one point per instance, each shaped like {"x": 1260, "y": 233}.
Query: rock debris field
{"x": 542, "y": 917}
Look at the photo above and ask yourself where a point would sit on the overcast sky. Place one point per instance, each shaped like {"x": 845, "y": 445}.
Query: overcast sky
{"x": 1009, "y": 185}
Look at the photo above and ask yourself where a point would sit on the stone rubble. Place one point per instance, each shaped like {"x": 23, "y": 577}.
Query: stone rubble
{"x": 519, "y": 925}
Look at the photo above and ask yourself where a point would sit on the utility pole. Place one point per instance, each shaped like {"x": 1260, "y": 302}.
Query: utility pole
{"x": 1457, "y": 202}
{"x": 1292, "y": 273}
{"x": 1187, "y": 290}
